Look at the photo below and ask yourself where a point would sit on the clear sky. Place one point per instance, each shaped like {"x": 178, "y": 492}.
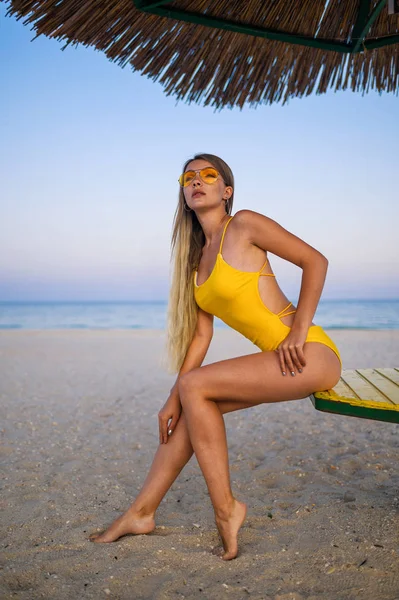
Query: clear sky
{"x": 91, "y": 153}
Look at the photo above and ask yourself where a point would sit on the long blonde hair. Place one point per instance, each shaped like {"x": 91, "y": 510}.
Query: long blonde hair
{"x": 187, "y": 242}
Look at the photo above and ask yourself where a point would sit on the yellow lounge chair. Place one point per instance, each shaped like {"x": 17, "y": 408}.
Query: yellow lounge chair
{"x": 367, "y": 393}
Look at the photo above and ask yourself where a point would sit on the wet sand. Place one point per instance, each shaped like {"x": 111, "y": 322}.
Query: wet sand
{"x": 79, "y": 429}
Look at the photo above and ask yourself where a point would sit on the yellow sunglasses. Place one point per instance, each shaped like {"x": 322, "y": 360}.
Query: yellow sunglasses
{"x": 208, "y": 175}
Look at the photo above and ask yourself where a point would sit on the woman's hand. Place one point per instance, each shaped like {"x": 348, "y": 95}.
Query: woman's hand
{"x": 290, "y": 352}
{"x": 169, "y": 412}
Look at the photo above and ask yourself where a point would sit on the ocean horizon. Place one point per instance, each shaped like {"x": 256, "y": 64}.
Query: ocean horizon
{"x": 76, "y": 314}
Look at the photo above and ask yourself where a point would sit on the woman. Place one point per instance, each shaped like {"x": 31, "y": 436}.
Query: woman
{"x": 297, "y": 357}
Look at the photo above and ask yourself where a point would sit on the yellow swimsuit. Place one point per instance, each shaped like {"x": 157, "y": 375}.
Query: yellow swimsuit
{"x": 233, "y": 296}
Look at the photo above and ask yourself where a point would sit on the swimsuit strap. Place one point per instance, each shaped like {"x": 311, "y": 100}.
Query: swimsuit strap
{"x": 221, "y": 245}
{"x": 224, "y": 231}
{"x": 269, "y": 274}
{"x": 280, "y": 314}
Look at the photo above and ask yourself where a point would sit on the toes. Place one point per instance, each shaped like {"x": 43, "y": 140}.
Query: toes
{"x": 229, "y": 555}
{"x": 218, "y": 551}
{"x": 223, "y": 554}
{"x": 95, "y": 535}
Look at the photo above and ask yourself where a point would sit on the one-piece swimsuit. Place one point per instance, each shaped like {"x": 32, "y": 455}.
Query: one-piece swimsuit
{"x": 233, "y": 296}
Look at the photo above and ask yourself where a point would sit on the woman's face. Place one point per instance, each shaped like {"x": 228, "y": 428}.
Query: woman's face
{"x": 199, "y": 194}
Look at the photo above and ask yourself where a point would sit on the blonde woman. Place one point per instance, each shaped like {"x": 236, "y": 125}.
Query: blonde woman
{"x": 221, "y": 268}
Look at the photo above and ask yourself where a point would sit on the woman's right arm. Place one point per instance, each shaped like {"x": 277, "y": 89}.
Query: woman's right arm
{"x": 170, "y": 412}
{"x": 199, "y": 346}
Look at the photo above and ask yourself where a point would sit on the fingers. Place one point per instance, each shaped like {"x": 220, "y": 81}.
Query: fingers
{"x": 288, "y": 360}
{"x": 163, "y": 426}
{"x": 282, "y": 361}
{"x": 166, "y": 427}
{"x": 291, "y": 358}
{"x": 171, "y": 426}
{"x": 301, "y": 357}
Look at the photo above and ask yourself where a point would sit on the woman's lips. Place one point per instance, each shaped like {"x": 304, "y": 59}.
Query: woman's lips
{"x": 198, "y": 194}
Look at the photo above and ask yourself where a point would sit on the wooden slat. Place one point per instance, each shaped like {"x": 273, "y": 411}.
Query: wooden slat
{"x": 386, "y": 387}
{"x": 392, "y": 374}
{"x": 342, "y": 389}
{"x": 363, "y": 389}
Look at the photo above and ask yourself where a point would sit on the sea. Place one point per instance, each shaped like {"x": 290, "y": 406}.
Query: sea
{"x": 330, "y": 314}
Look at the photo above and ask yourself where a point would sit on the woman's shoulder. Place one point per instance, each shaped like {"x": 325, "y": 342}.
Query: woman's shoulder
{"x": 246, "y": 219}
{"x": 253, "y": 226}
{"x": 246, "y": 215}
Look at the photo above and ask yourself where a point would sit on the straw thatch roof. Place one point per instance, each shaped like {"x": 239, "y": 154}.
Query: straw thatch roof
{"x": 231, "y": 52}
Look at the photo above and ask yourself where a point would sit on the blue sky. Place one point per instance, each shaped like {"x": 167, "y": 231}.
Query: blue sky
{"x": 90, "y": 156}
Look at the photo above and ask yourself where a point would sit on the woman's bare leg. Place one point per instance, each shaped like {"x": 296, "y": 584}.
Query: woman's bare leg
{"x": 257, "y": 379}
{"x": 169, "y": 460}
{"x": 226, "y": 386}
{"x": 207, "y": 433}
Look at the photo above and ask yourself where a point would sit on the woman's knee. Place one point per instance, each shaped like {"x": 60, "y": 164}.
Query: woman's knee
{"x": 187, "y": 384}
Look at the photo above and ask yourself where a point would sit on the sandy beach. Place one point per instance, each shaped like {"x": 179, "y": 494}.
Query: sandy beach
{"x": 79, "y": 430}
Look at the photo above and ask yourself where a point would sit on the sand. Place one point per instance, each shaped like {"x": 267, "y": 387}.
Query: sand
{"x": 79, "y": 429}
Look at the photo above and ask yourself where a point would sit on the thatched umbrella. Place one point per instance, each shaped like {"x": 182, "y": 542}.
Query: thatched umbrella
{"x": 229, "y": 52}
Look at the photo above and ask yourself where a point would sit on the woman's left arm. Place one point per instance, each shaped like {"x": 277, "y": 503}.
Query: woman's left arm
{"x": 270, "y": 236}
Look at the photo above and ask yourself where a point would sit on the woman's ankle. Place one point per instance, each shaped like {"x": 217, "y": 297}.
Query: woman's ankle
{"x": 225, "y": 511}
{"x": 141, "y": 511}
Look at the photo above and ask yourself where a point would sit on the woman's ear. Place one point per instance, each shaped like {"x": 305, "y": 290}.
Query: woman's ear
{"x": 229, "y": 189}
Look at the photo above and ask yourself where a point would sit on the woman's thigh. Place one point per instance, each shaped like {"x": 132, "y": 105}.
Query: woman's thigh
{"x": 257, "y": 378}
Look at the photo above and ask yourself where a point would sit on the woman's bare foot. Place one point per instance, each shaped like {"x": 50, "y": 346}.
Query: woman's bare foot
{"x": 130, "y": 522}
{"x": 228, "y": 527}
